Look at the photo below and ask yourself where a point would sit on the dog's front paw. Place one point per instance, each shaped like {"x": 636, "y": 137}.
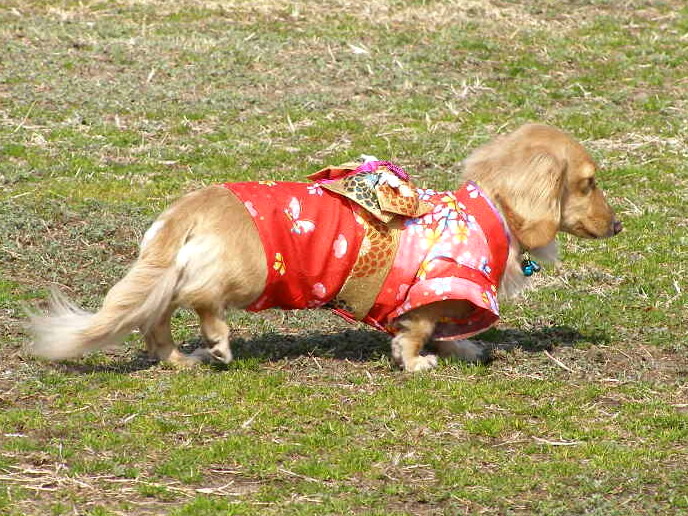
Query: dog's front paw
{"x": 420, "y": 363}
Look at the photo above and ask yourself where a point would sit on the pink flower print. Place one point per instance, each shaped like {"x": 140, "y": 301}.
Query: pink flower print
{"x": 473, "y": 191}
{"x": 293, "y": 213}
{"x": 465, "y": 258}
{"x": 319, "y": 291}
{"x": 451, "y": 221}
{"x": 417, "y": 225}
{"x": 340, "y": 246}
{"x": 440, "y": 212}
{"x": 314, "y": 189}
{"x": 427, "y": 219}
{"x": 472, "y": 224}
{"x": 442, "y": 249}
{"x": 251, "y": 208}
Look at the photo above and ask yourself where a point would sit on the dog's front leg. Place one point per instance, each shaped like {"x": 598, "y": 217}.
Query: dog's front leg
{"x": 415, "y": 329}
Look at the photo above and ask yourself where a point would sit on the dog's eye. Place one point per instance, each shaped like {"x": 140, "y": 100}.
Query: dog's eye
{"x": 588, "y": 184}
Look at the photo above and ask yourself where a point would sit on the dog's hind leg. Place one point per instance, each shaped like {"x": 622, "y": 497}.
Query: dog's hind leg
{"x": 465, "y": 350}
{"x": 160, "y": 344}
{"x": 216, "y": 334}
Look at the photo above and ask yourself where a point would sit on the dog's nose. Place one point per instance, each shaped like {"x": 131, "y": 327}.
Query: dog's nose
{"x": 617, "y": 227}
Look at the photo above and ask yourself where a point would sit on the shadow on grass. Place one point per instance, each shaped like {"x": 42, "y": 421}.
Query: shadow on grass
{"x": 352, "y": 345}
{"x": 367, "y": 345}
{"x": 88, "y": 365}
{"x": 542, "y": 339}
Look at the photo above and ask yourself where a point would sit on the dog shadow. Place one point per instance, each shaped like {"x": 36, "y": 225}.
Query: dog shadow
{"x": 355, "y": 345}
{"x": 363, "y": 345}
{"x": 539, "y": 340}
{"x": 138, "y": 361}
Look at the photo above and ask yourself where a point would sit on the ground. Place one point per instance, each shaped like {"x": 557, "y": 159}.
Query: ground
{"x": 110, "y": 110}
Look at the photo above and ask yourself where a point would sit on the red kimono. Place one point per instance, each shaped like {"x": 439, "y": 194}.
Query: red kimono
{"x": 312, "y": 238}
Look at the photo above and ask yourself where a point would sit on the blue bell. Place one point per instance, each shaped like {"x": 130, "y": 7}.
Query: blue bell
{"x": 529, "y": 267}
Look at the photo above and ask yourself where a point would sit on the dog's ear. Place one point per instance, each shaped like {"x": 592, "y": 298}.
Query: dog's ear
{"x": 529, "y": 194}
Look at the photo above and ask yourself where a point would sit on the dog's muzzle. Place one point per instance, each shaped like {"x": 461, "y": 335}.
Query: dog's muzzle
{"x": 617, "y": 227}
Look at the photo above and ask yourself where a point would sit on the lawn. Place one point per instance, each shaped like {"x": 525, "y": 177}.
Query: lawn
{"x": 109, "y": 110}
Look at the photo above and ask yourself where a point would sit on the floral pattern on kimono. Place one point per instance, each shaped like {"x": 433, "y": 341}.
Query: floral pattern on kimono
{"x": 458, "y": 251}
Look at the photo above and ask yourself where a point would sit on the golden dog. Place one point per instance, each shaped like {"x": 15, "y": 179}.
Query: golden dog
{"x": 204, "y": 253}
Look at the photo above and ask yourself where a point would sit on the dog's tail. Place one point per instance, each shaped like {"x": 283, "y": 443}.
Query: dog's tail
{"x": 136, "y": 301}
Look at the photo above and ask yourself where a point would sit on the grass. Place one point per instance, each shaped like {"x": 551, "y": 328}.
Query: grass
{"x": 110, "y": 110}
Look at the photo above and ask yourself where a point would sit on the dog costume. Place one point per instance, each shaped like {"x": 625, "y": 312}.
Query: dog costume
{"x": 365, "y": 242}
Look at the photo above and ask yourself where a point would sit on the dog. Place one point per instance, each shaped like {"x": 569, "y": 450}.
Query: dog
{"x": 221, "y": 247}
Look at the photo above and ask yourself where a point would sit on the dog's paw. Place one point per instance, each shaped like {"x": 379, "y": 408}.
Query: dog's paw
{"x": 397, "y": 356}
{"x": 465, "y": 350}
{"x": 221, "y": 355}
{"x": 182, "y": 360}
{"x": 212, "y": 355}
{"x": 420, "y": 363}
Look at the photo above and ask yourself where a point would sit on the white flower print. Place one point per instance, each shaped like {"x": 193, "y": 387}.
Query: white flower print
{"x": 340, "y": 246}
{"x": 314, "y": 189}
{"x": 441, "y": 286}
{"x": 251, "y": 208}
{"x": 293, "y": 213}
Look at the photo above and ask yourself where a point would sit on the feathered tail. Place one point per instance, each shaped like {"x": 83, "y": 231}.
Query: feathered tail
{"x": 136, "y": 301}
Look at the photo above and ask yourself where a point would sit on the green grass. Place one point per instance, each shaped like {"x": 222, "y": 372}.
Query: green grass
{"x": 110, "y": 110}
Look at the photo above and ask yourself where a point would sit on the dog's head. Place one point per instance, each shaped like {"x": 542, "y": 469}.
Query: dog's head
{"x": 543, "y": 181}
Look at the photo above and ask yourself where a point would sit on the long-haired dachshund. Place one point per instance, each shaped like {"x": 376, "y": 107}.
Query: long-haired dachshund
{"x": 361, "y": 240}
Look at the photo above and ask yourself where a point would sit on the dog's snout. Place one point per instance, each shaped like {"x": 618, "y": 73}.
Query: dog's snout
{"x": 617, "y": 227}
